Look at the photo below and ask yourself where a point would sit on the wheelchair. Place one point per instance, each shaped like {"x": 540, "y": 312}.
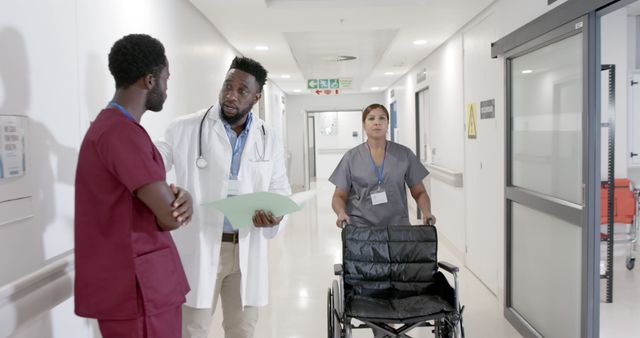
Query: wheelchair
{"x": 390, "y": 275}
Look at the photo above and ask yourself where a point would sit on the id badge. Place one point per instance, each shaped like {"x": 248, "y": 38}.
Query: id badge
{"x": 234, "y": 187}
{"x": 378, "y": 197}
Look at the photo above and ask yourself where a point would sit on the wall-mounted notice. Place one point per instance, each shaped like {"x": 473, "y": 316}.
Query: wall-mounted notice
{"x": 421, "y": 75}
{"x": 487, "y": 109}
{"x": 343, "y": 83}
{"x": 472, "y": 126}
{"x": 12, "y": 156}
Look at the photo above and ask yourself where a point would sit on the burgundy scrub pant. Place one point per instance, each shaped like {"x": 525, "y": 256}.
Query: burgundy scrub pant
{"x": 166, "y": 324}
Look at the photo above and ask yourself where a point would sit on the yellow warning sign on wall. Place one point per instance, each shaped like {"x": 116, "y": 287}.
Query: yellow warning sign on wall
{"x": 472, "y": 126}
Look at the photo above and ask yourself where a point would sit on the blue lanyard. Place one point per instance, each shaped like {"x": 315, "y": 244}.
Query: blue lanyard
{"x": 373, "y": 162}
{"x": 123, "y": 110}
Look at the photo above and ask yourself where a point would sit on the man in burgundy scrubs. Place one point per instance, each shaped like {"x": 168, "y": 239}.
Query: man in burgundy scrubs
{"x": 128, "y": 272}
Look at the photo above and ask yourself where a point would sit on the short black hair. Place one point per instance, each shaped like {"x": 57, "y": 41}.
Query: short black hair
{"x": 250, "y": 66}
{"x": 135, "y": 56}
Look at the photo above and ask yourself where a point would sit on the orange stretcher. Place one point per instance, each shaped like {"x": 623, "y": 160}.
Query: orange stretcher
{"x": 625, "y": 212}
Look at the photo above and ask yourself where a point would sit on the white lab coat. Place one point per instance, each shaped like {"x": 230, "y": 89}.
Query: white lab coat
{"x": 199, "y": 241}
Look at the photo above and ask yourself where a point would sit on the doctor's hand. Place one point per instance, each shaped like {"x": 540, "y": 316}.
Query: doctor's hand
{"x": 182, "y": 206}
{"x": 265, "y": 219}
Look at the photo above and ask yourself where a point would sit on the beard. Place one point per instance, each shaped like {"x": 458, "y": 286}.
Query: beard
{"x": 233, "y": 120}
{"x": 155, "y": 99}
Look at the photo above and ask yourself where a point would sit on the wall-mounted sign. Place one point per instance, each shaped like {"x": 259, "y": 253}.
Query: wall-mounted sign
{"x": 345, "y": 83}
{"x": 487, "y": 109}
{"x": 326, "y": 91}
{"x": 329, "y": 83}
{"x": 421, "y": 75}
{"x": 472, "y": 126}
{"x": 392, "y": 93}
{"x": 12, "y": 149}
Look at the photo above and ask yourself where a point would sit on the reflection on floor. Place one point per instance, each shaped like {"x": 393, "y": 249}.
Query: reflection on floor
{"x": 621, "y": 319}
{"x": 301, "y": 270}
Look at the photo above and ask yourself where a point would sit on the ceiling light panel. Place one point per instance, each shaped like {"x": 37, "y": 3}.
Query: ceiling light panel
{"x": 342, "y": 3}
{"x": 317, "y": 53}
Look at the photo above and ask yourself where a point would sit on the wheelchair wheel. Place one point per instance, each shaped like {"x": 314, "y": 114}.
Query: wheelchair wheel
{"x": 336, "y": 297}
{"x": 630, "y": 263}
{"x": 347, "y": 330}
{"x": 442, "y": 329}
{"x": 330, "y": 317}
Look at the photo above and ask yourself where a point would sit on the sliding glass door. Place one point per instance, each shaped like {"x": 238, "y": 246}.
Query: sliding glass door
{"x": 548, "y": 228}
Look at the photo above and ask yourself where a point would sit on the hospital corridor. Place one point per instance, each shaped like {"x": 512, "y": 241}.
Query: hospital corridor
{"x": 319, "y": 168}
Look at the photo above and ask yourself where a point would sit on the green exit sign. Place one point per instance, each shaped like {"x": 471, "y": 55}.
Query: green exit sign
{"x": 329, "y": 83}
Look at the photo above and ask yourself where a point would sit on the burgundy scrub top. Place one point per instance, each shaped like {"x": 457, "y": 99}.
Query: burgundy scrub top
{"x": 119, "y": 248}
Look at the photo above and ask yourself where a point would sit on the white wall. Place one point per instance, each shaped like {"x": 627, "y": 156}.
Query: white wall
{"x": 330, "y": 148}
{"x": 614, "y": 47}
{"x": 444, "y": 79}
{"x": 275, "y": 114}
{"x": 275, "y": 108}
{"x": 460, "y": 72}
{"x": 53, "y": 69}
{"x": 298, "y": 106}
{"x": 483, "y": 160}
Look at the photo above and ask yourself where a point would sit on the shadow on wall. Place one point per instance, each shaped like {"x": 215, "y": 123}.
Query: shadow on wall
{"x": 96, "y": 93}
{"x": 96, "y": 97}
{"x": 25, "y": 312}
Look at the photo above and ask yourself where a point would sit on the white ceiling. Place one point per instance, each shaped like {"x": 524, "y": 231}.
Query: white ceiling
{"x": 634, "y": 9}
{"x": 306, "y": 37}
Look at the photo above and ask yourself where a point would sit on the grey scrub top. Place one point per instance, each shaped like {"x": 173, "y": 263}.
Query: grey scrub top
{"x": 355, "y": 174}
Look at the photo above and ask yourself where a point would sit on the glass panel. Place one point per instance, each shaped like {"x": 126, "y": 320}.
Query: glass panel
{"x": 547, "y": 120}
{"x": 545, "y": 272}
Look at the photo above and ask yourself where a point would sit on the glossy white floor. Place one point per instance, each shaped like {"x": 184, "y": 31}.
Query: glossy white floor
{"x": 621, "y": 318}
{"x": 301, "y": 270}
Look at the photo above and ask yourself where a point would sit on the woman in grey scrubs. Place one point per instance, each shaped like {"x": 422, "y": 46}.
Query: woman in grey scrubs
{"x": 370, "y": 179}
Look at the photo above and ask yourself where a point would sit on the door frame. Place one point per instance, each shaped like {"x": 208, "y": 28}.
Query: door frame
{"x": 311, "y": 135}
{"x": 419, "y": 123}
{"x": 570, "y": 212}
{"x": 579, "y": 214}
{"x": 393, "y": 123}
{"x": 591, "y": 11}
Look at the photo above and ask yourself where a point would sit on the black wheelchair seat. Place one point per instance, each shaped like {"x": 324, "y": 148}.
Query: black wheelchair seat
{"x": 390, "y": 275}
{"x": 410, "y": 309}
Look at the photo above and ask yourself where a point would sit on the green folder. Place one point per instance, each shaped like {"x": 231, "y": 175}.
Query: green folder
{"x": 241, "y": 208}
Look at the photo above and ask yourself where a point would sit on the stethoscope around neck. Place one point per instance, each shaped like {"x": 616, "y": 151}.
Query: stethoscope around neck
{"x": 202, "y": 163}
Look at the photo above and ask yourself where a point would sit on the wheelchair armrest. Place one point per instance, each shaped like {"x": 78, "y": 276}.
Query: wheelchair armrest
{"x": 337, "y": 269}
{"x": 448, "y": 267}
